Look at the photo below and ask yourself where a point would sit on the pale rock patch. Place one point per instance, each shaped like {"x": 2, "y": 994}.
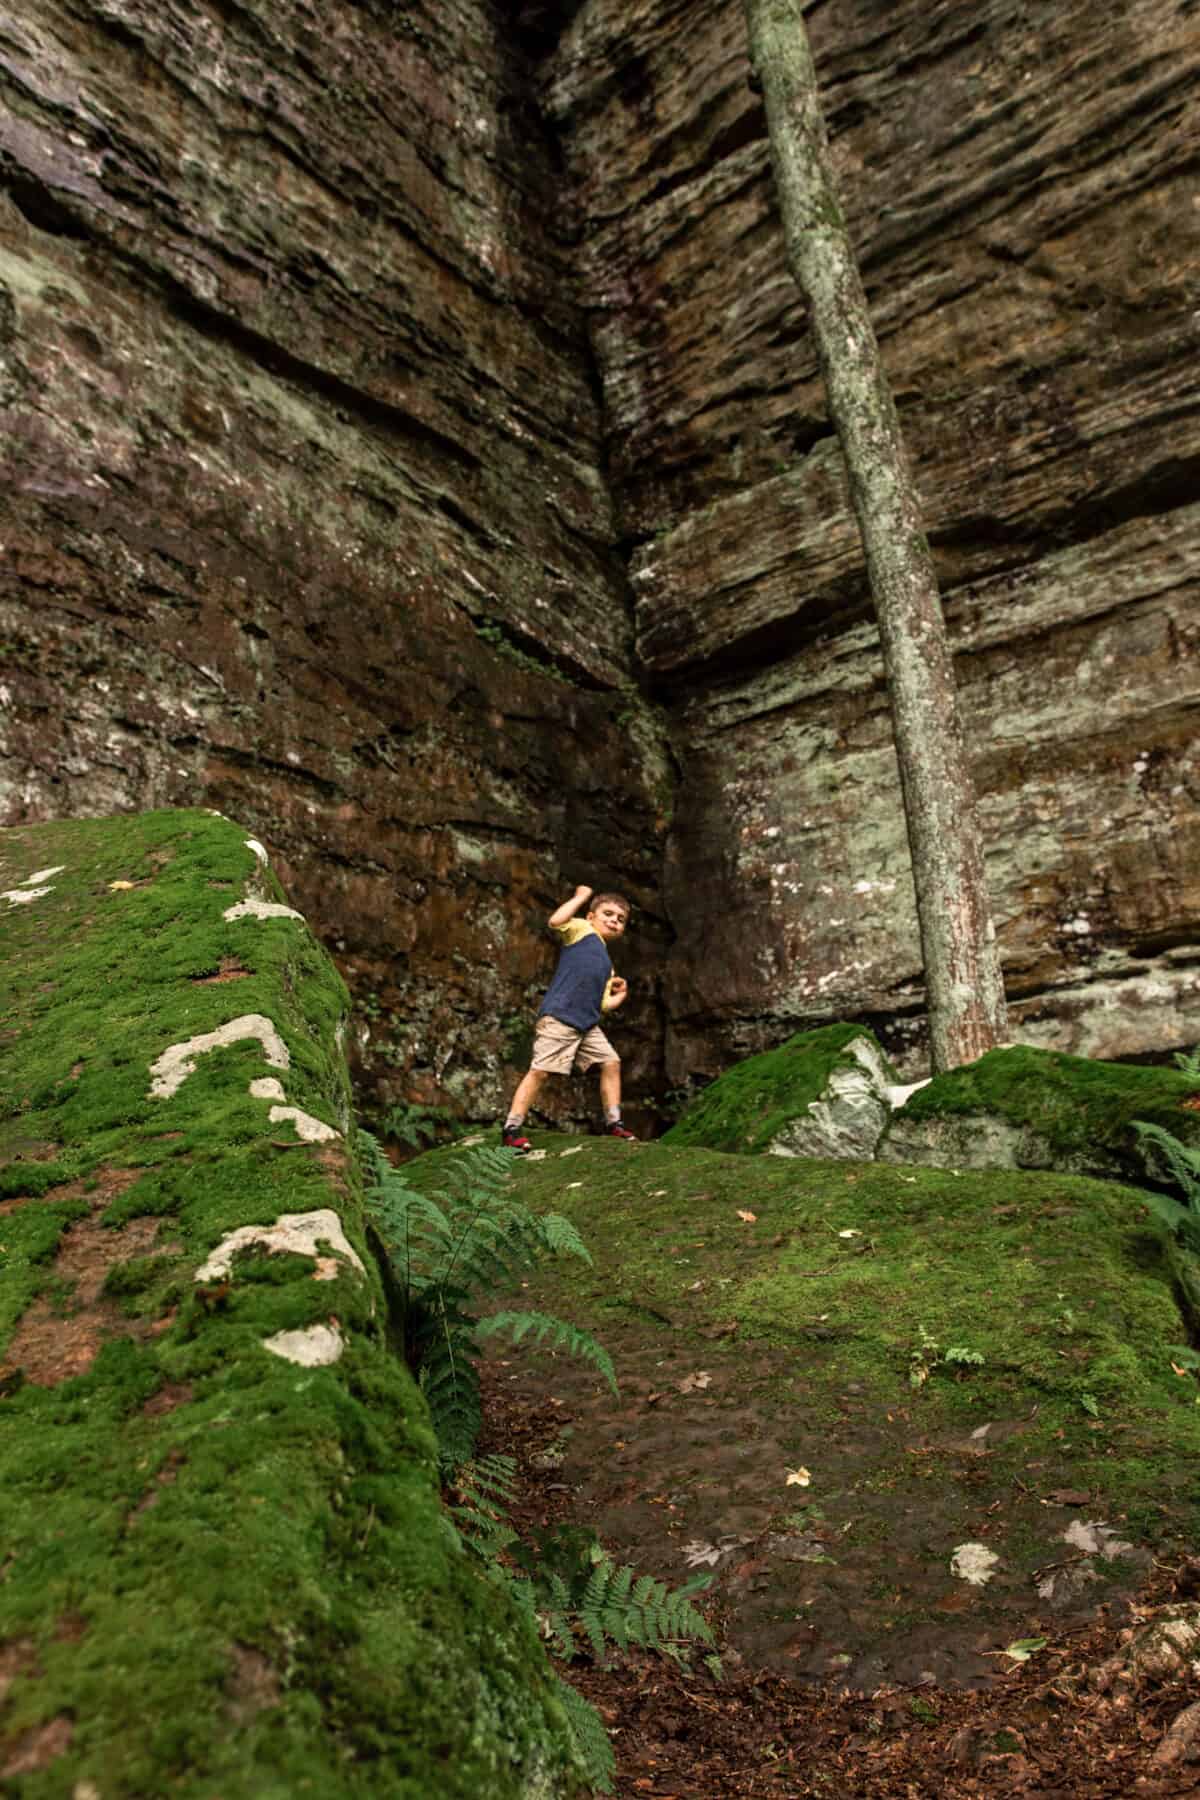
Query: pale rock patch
{"x": 261, "y": 909}
{"x": 177, "y": 1062}
{"x": 267, "y": 1088}
{"x": 259, "y": 851}
{"x": 23, "y": 896}
{"x": 847, "y": 1121}
{"x": 312, "y": 1131}
{"x": 315, "y": 1347}
{"x": 299, "y": 1234}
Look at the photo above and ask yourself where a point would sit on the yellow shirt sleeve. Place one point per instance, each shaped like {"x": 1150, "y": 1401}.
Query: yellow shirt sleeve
{"x": 572, "y": 931}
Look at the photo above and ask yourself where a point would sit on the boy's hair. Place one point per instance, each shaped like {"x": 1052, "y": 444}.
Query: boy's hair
{"x": 615, "y": 899}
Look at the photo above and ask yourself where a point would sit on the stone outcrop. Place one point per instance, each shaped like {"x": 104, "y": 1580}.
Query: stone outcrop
{"x": 385, "y": 396}
{"x": 1018, "y": 184}
{"x": 1025, "y": 1108}
{"x": 301, "y": 505}
{"x": 824, "y": 1093}
{"x": 227, "y": 1568}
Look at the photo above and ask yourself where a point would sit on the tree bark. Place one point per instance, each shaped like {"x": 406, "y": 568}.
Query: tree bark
{"x": 964, "y": 987}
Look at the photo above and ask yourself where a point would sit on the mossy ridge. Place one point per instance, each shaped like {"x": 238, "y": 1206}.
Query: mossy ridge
{"x": 1073, "y": 1103}
{"x": 1063, "y": 1284}
{"x": 191, "y": 1502}
{"x": 747, "y": 1106}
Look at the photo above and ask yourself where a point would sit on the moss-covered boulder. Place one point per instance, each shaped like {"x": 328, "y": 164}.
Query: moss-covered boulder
{"x": 1023, "y": 1108}
{"x": 822, "y": 1093}
{"x": 902, "y": 1417}
{"x": 225, "y": 1565}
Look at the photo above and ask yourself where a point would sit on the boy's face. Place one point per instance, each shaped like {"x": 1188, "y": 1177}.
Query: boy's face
{"x": 608, "y": 919}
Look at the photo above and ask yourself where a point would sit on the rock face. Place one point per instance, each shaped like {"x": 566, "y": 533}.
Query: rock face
{"x": 1016, "y": 178}
{"x": 221, "y": 1505}
{"x": 302, "y": 514}
{"x": 384, "y": 396}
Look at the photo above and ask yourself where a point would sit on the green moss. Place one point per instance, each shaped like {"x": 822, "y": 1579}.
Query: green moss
{"x": 231, "y": 1573}
{"x": 1064, "y": 1286}
{"x": 750, "y": 1103}
{"x": 1079, "y": 1108}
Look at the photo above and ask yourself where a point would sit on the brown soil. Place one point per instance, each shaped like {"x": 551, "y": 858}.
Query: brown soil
{"x": 60, "y": 1336}
{"x": 1039, "y": 1729}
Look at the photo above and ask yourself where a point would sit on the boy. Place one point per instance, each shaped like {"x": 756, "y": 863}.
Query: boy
{"x": 567, "y": 1034}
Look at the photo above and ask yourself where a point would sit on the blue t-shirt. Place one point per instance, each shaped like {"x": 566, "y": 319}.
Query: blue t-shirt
{"x": 579, "y": 990}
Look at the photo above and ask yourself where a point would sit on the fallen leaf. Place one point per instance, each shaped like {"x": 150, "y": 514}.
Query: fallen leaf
{"x": 573, "y": 1184}
{"x": 749, "y": 1217}
{"x": 658, "y": 1193}
{"x": 535, "y": 1156}
{"x": 728, "y": 1329}
{"x": 798, "y": 1478}
{"x": 698, "y": 1553}
{"x": 850, "y": 1233}
{"x": 689, "y": 1384}
{"x": 573, "y": 1151}
{"x": 119, "y": 887}
{"x": 1069, "y": 1497}
{"x": 1024, "y": 1648}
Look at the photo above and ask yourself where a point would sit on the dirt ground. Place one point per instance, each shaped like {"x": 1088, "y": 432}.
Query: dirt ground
{"x": 1051, "y": 1728}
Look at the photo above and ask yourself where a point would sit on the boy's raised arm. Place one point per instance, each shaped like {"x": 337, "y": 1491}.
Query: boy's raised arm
{"x": 569, "y": 908}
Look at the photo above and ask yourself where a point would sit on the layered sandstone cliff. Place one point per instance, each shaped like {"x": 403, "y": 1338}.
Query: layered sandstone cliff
{"x": 394, "y": 399}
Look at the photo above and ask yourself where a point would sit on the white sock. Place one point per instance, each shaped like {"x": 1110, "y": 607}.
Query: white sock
{"x": 612, "y": 1115}
{"x": 514, "y": 1121}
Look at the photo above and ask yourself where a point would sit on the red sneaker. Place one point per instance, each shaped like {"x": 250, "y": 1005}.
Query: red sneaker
{"x": 513, "y": 1140}
{"x": 620, "y": 1131}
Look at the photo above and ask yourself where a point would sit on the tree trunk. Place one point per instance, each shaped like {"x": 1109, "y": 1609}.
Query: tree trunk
{"x": 964, "y": 989}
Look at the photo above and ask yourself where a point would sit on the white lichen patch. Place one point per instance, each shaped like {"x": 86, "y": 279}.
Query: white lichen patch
{"x": 898, "y": 1095}
{"x": 32, "y": 887}
{"x": 974, "y": 1563}
{"x": 40, "y": 875}
{"x": 267, "y": 1088}
{"x": 312, "y": 1131}
{"x": 23, "y": 896}
{"x": 261, "y": 909}
{"x": 179, "y": 1061}
{"x": 298, "y": 1234}
{"x": 315, "y": 1347}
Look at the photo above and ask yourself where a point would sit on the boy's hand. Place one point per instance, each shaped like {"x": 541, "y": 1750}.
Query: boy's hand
{"x": 618, "y": 987}
{"x": 584, "y": 893}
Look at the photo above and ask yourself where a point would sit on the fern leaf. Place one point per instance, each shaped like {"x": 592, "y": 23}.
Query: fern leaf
{"x": 560, "y": 1334}
{"x": 562, "y": 1238}
{"x": 450, "y": 1383}
{"x": 1167, "y": 1159}
{"x": 590, "y": 1741}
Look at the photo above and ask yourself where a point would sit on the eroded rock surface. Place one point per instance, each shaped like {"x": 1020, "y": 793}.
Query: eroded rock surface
{"x": 383, "y": 393}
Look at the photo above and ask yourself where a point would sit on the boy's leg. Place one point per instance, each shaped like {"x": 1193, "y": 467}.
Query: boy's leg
{"x": 610, "y": 1099}
{"x": 511, "y": 1135}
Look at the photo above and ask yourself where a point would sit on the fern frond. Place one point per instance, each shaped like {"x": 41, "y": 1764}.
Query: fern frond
{"x": 1167, "y": 1159}
{"x": 642, "y": 1612}
{"x": 555, "y": 1614}
{"x": 449, "y": 1380}
{"x": 561, "y": 1238}
{"x": 590, "y": 1741}
{"x": 562, "y": 1336}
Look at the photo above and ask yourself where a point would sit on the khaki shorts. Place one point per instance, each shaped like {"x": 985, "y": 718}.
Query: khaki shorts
{"x": 556, "y": 1047}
